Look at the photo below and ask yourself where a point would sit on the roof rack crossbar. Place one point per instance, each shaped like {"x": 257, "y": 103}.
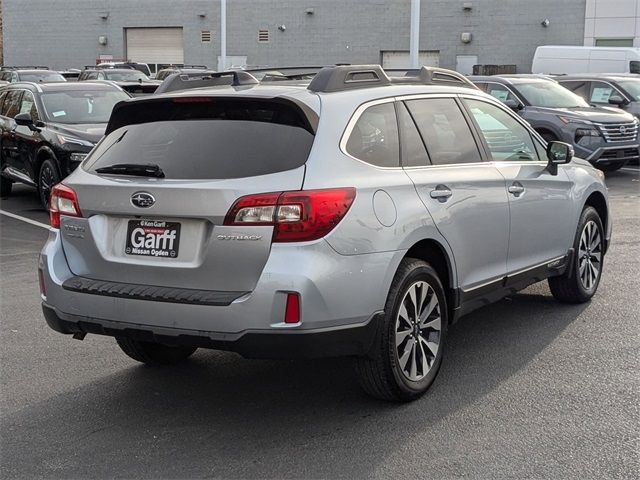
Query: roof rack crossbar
{"x": 185, "y": 81}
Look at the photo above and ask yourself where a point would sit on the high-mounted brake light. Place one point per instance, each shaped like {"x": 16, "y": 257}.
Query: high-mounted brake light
{"x": 64, "y": 201}
{"x": 298, "y": 216}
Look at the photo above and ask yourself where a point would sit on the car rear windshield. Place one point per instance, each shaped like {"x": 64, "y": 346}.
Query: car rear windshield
{"x": 81, "y": 106}
{"x": 41, "y": 77}
{"x": 126, "y": 76}
{"x": 207, "y": 139}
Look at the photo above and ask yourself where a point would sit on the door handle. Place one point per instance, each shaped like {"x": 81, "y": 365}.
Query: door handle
{"x": 516, "y": 189}
{"x": 441, "y": 193}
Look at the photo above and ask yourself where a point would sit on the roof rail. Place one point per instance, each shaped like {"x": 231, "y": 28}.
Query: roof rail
{"x": 185, "y": 81}
{"x": 434, "y": 76}
{"x": 343, "y": 77}
{"x": 25, "y": 67}
{"x": 339, "y": 78}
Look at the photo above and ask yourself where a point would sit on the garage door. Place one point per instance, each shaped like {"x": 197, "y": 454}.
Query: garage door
{"x": 155, "y": 45}
{"x": 400, "y": 58}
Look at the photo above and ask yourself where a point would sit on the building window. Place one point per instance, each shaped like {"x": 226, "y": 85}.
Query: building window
{"x": 614, "y": 42}
{"x": 205, "y": 36}
{"x": 263, "y": 36}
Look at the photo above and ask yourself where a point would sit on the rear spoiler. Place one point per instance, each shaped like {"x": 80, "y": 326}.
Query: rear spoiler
{"x": 154, "y": 108}
{"x": 186, "y": 81}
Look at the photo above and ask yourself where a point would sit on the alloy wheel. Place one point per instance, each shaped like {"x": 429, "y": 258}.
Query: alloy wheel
{"x": 47, "y": 182}
{"x": 590, "y": 255}
{"x": 417, "y": 331}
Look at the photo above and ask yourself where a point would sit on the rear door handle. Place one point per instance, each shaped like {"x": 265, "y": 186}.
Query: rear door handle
{"x": 516, "y": 189}
{"x": 441, "y": 193}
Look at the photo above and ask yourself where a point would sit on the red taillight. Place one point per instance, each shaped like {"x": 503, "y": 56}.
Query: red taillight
{"x": 296, "y": 216}
{"x": 292, "y": 310}
{"x": 64, "y": 201}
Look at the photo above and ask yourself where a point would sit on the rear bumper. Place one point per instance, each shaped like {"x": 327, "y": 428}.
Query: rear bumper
{"x": 346, "y": 340}
{"x": 336, "y": 292}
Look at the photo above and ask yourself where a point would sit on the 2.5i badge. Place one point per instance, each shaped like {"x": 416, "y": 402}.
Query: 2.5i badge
{"x": 153, "y": 238}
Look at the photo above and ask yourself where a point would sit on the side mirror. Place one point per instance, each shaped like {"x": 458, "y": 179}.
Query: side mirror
{"x": 513, "y": 105}
{"x": 558, "y": 153}
{"x": 25, "y": 120}
{"x": 617, "y": 100}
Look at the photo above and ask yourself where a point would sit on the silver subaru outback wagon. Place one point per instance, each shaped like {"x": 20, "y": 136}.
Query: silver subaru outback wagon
{"x": 353, "y": 215}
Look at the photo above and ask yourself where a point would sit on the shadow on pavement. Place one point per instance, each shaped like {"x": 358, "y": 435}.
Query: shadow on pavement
{"x": 221, "y": 416}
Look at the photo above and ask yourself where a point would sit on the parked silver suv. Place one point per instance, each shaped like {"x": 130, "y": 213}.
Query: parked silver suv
{"x": 354, "y": 215}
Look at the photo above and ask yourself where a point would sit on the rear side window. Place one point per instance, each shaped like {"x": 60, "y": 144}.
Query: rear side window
{"x": 207, "y": 139}
{"x": 11, "y": 105}
{"x": 444, "y": 130}
{"x": 374, "y": 138}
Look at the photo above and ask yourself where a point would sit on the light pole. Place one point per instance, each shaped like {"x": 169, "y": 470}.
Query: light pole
{"x": 223, "y": 35}
{"x": 414, "y": 36}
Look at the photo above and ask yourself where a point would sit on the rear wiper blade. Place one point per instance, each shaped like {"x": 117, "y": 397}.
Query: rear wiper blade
{"x": 134, "y": 169}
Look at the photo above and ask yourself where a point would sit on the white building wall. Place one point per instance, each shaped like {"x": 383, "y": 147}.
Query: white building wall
{"x": 612, "y": 20}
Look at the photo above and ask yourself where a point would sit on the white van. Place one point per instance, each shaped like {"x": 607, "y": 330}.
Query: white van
{"x": 564, "y": 59}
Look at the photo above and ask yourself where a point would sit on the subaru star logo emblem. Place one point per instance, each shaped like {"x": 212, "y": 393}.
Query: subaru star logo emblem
{"x": 142, "y": 200}
{"x": 623, "y": 129}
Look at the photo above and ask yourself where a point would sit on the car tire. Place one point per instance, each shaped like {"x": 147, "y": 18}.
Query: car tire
{"x": 48, "y": 177}
{"x": 581, "y": 281}
{"x": 406, "y": 356}
{"x": 5, "y": 186}
{"x": 153, "y": 353}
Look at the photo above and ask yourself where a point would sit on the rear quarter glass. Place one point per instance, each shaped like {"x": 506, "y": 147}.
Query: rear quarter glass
{"x": 208, "y": 139}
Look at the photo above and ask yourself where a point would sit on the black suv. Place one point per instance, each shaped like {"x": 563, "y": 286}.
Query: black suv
{"x": 129, "y": 79}
{"x": 30, "y": 74}
{"x": 46, "y": 130}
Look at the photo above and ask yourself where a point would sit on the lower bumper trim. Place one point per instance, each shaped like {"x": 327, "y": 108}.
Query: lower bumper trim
{"x": 331, "y": 342}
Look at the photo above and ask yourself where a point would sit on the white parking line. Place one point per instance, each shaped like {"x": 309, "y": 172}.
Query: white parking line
{"x": 634, "y": 170}
{"x": 24, "y": 219}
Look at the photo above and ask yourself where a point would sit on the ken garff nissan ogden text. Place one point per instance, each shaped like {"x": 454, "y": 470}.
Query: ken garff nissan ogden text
{"x": 439, "y": 200}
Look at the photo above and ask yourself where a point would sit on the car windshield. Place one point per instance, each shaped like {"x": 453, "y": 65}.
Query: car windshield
{"x": 128, "y": 76}
{"x": 632, "y": 86}
{"x": 41, "y": 77}
{"x": 550, "y": 95}
{"x": 81, "y": 106}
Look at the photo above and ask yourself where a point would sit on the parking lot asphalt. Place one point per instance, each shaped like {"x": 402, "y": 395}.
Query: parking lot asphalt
{"x": 529, "y": 388}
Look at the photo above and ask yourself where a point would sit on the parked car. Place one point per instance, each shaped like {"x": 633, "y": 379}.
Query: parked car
{"x": 165, "y": 72}
{"x": 568, "y": 59}
{"x": 71, "y": 75}
{"x": 606, "y": 137}
{"x": 130, "y": 80}
{"x": 365, "y": 230}
{"x": 606, "y": 90}
{"x": 30, "y": 74}
{"x": 47, "y": 129}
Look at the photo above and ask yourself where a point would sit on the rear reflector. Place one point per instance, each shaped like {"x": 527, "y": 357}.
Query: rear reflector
{"x": 292, "y": 311}
{"x": 298, "y": 216}
{"x": 64, "y": 201}
{"x": 43, "y": 289}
